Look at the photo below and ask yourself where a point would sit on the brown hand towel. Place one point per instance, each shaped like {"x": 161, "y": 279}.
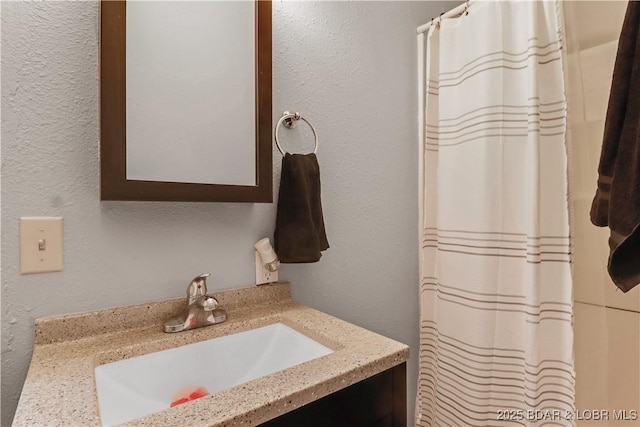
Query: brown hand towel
{"x": 299, "y": 235}
{"x": 617, "y": 201}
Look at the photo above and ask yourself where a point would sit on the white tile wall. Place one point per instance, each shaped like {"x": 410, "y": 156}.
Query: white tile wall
{"x": 575, "y": 97}
{"x": 591, "y": 365}
{"x": 589, "y": 269}
{"x": 607, "y": 343}
{"x": 591, "y": 23}
{"x": 623, "y": 330}
{"x": 597, "y": 69}
{"x": 595, "y": 135}
{"x": 586, "y": 141}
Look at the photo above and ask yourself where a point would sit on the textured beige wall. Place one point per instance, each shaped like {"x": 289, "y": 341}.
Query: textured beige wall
{"x": 607, "y": 322}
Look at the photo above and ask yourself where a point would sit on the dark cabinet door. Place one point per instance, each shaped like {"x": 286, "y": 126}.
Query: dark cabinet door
{"x": 378, "y": 401}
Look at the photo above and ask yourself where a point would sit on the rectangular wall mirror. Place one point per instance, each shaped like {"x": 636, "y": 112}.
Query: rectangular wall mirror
{"x": 185, "y": 107}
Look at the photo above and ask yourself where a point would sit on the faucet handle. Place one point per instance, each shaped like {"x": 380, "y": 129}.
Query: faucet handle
{"x": 208, "y": 303}
{"x": 197, "y": 287}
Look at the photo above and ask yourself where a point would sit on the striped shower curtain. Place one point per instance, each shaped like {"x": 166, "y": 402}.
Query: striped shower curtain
{"x": 496, "y": 332}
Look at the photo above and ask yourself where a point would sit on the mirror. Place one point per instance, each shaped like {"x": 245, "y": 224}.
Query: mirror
{"x": 186, "y": 101}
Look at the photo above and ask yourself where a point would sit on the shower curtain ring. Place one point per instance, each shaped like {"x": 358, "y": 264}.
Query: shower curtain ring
{"x": 439, "y": 21}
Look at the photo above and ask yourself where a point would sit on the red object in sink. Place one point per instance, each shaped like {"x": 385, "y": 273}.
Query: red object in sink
{"x": 188, "y": 394}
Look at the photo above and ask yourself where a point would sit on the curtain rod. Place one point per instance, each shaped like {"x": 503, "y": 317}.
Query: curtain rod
{"x": 455, "y": 12}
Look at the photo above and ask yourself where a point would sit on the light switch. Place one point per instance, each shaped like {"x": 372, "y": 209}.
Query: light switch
{"x": 41, "y": 244}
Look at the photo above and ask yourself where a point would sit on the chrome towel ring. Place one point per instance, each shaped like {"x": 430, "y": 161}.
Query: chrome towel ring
{"x": 289, "y": 120}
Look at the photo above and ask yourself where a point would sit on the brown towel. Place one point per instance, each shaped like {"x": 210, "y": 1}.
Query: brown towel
{"x": 617, "y": 201}
{"x": 299, "y": 235}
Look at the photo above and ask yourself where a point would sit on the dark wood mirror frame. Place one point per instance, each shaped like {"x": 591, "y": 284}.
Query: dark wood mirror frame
{"x": 113, "y": 179}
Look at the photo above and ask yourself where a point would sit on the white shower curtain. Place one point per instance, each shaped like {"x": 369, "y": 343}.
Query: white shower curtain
{"x": 496, "y": 333}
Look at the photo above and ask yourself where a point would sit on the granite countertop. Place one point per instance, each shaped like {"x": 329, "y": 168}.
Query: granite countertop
{"x": 60, "y": 387}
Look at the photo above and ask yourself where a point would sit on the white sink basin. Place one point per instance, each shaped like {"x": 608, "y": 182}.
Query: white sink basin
{"x": 132, "y": 388}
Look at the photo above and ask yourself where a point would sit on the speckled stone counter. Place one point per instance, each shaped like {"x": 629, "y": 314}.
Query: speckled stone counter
{"x": 60, "y": 387}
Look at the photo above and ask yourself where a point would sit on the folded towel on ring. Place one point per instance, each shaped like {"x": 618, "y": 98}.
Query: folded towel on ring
{"x": 300, "y": 235}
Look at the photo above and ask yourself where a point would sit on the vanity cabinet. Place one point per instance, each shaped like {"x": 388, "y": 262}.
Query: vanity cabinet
{"x": 378, "y": 401}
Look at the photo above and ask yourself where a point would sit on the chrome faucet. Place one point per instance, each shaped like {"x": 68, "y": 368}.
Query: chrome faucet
{"x": 202, "y": 309}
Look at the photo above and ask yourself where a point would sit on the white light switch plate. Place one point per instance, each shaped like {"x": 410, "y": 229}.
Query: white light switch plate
{"x": 40, "y": 244}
